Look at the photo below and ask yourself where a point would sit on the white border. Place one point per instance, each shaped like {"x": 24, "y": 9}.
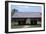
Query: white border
{"x": 24, "y": 29}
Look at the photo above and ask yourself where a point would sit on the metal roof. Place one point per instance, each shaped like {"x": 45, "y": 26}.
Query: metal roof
{"x": 26, "y": 15}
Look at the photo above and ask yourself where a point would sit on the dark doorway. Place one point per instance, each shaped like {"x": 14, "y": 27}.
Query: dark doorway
{"x": 33, "y": 22}
{"x": 22, "y": 22}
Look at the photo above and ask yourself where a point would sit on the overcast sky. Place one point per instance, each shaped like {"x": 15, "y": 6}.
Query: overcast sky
{"x": 26, "y": 8}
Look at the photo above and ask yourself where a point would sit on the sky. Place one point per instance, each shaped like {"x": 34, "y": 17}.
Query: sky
{"x": 21, "y": 8}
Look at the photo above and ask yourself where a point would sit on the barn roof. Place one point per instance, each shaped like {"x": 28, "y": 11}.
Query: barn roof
{"x": 26, "y": 15}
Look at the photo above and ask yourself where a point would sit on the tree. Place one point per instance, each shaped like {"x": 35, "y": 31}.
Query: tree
{"x": 13, "y": 11}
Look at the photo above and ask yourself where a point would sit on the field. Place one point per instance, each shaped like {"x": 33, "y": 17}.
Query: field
{"x": 14, "y": 26}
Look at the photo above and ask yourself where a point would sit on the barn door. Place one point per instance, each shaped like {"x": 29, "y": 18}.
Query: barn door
{"x": 33, "y": 22}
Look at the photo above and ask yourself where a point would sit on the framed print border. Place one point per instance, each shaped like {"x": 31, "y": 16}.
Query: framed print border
{"x": 6, "y": 16}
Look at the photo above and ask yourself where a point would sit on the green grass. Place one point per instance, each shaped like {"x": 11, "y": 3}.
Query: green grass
{"x": 14, "y": 26}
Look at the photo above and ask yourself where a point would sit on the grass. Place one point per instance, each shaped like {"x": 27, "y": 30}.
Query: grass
{"x": 14, "y": 26}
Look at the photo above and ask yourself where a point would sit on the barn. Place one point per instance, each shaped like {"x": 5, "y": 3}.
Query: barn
{"x": 26, "y": 18}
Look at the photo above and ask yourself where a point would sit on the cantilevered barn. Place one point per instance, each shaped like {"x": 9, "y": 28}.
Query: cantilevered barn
{"x": 26, "y": 18}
